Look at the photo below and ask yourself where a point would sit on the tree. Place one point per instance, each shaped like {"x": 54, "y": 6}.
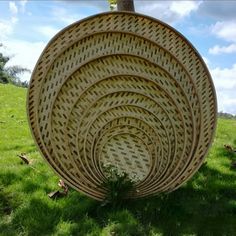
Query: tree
{"x": 112, "y": 4}
{"x": 122, "y": 5}
{"x": 4, "y": 77}
{"x": 125, "y": 5}
{"x": 10, "y": 74}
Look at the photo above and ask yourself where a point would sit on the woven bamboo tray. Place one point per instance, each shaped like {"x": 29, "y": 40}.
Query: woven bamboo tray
{"x": 125, "y": 89}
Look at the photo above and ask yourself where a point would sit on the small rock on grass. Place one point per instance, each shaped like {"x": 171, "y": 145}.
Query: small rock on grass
{"x": 24, "y": 158}
{"x": 58, "y": 194}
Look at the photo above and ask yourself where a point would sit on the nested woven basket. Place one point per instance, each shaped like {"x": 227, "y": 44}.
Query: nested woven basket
{"x": 127, "y": 90}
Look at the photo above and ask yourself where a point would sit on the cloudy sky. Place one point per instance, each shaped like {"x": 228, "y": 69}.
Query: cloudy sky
{"x": 27, "y": 25}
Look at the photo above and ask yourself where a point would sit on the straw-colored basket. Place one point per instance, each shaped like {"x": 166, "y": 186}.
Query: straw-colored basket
{"x": 125, "y": 89}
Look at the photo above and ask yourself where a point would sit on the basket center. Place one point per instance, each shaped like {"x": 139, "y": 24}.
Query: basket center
{"x": 128, "y": 154}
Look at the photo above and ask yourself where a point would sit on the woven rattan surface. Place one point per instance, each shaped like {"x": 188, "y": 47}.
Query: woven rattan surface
{"x": 125, "y": 89}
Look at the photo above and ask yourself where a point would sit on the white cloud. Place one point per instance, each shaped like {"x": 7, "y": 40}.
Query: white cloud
{"x": 14, "y": 20}
{"x": 226, "y": 102}
{"x": 6, "y": 29}
{"x": 224, "y": 78}
{"x": 184, "y": 8}
{"x": 168, "y": 11}
{"x": 206, "y": 60}
{"x": 23, "y": 53}
{"x": 225, "y": 83}
{"x": 66, "y": 17}
{"x": 48, "y": 31}
{"x": 96, "y": 5}
{"x": 225, "y": 30}
{"x": 224, "y": 49}
{"x": 23, "y": 4}
{"x": 7, "y": 26}
{"x": 13, "y": 8}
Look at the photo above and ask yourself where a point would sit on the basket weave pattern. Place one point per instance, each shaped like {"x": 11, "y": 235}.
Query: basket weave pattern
{"x": 125, "y": 89}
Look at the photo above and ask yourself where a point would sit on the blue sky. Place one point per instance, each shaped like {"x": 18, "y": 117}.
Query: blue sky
{"x": 27, "y": 25}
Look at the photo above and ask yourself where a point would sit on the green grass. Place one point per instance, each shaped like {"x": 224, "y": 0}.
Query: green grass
{"x": 206, "y": 205}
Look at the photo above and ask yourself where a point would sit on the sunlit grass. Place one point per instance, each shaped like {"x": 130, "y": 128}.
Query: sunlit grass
{"x": 205, "y": 205}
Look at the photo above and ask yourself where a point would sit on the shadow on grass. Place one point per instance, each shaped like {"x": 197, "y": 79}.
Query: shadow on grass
{"x": 222, "y": 152}
{"x": 206, "y": 205}
{"x": 5, "y": 206}
{"x": 234, "y": 142}
{"x": 202, "y": 207}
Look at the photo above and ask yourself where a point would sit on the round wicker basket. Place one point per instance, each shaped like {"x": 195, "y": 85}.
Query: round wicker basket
{"x": 123, "y": 89}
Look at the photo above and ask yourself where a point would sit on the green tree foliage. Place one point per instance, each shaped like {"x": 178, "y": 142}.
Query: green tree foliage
{"x": 113, "y": 4}
{"x": 10, "y": 74}
{"x": 118, "y": 184}
{"x": 4, "y": 77}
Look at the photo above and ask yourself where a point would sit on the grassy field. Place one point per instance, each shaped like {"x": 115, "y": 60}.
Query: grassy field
{"x": 206, "y": 205}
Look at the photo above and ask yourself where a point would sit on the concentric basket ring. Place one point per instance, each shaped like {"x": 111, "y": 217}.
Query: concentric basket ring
{"x": 125, "y": 89}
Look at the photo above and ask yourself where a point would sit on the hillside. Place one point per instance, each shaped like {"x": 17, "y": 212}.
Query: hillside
{"x": 206, "y": 205}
